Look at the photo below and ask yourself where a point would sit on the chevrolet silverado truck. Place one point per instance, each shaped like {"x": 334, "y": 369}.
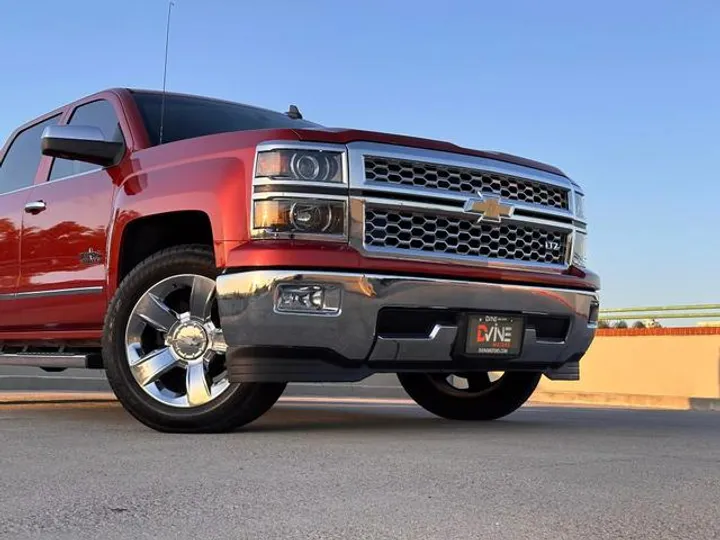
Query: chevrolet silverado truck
{"x": 205, "y": 253}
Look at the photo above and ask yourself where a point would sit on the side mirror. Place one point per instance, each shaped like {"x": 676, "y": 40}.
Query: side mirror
{"x": 80, "y": 143}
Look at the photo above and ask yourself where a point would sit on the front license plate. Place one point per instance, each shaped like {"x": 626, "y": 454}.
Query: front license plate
{"x": 494, "y": 335}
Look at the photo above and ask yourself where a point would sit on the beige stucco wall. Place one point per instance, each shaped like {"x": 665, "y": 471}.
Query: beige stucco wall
{"x": 687, "y": 366}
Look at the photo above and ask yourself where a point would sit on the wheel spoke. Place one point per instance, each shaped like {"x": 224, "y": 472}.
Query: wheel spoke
{"x": 153, "y": 311}
{"x": 198, "y": 392}
{"x": 219, "y": 346}
{"x": 151, "y": 366}
{"x": 201, "y": 297}
{"x": 456, "y": 381}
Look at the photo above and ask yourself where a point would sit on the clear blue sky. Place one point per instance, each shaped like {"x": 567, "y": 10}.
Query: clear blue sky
{"x": 622, "y": 95}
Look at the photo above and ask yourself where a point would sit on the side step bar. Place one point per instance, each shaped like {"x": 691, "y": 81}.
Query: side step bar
{"x": 52, "y": 360}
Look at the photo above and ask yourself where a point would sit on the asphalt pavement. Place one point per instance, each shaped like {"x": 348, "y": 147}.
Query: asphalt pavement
{"x": 30, "y": 379}
{"x": 335, "y": 469}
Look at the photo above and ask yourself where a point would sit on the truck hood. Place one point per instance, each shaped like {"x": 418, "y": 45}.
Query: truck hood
{"x": 344, "y": 136}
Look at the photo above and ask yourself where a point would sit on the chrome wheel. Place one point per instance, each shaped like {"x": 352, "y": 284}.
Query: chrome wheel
{"x": 468, "y": 383}
{"x": 174, "y": 344}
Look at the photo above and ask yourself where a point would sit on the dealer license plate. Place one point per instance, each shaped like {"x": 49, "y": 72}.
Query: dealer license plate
{"x": 494, "y": 335}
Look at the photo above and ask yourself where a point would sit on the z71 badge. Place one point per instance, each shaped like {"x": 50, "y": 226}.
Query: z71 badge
{"x": 91, "y": 256}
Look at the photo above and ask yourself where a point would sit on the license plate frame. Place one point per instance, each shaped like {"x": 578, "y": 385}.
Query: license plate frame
{"x": 493, "y": 335}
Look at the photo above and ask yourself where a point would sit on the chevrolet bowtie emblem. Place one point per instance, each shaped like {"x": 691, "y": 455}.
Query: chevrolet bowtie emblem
{"x": 489, "y": 207}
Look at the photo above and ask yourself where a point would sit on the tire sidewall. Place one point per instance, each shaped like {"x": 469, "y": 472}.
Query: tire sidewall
{"x": 504, "y": 397}
{"x": 191, "y": 260}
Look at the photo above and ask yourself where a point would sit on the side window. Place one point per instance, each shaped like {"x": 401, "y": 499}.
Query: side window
{"x": 99, "y": 114}
{"x": 22, "y": 158}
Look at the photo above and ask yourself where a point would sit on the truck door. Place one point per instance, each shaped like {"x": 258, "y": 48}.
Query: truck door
{"x": 62, "y": 282}
{"x": 18, "y": 168}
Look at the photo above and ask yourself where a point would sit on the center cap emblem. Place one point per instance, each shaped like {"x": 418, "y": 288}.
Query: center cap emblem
{"x": 489, "y": 207}
{"x": 189, "y": 340}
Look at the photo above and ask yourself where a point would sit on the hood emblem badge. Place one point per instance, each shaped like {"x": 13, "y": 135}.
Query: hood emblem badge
{"x": 489, "y": 207}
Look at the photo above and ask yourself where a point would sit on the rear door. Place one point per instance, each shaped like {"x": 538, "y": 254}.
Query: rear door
{"x": 18, "y": 168}
{"x": 62, "y": 271}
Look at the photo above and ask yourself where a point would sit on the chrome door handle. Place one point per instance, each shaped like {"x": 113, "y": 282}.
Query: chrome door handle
{"x": 35, "y": 207}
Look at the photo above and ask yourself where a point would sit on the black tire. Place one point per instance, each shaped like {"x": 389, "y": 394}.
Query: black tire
{"x": 492, "y": 401}
{"x": 238, "y": 405}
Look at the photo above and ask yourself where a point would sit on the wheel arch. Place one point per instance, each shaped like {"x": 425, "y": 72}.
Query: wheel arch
{"x": 139, "y": 238}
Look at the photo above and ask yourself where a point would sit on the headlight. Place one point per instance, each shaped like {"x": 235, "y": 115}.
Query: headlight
{"x": 303, "y": 165}
{"x": 579, "y": 257}
{"x": 292, "y": 217}
{"x": 579, "y": 205}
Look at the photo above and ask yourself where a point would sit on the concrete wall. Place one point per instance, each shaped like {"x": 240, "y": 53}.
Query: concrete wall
{"x": 651, "y": 365}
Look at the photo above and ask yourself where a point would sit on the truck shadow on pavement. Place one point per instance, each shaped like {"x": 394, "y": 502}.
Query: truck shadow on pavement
{"x": 365, "y": 420}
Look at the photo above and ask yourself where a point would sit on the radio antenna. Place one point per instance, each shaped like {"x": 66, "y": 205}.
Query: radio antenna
{"x": 167, "y": 45}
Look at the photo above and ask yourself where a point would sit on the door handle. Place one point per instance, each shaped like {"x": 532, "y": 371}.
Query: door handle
{"x": 35, "y": 207}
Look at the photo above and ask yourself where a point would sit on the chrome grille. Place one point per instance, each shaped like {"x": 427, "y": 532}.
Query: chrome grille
{"x": 421, "y": 232}
{"x": 462, "y": 180}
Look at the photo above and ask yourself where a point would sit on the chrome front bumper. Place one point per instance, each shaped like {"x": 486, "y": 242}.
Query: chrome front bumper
{"x": 251, "y": 322}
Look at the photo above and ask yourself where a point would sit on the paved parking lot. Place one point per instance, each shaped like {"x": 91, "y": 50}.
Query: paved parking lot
{"x": 333, "y": 470}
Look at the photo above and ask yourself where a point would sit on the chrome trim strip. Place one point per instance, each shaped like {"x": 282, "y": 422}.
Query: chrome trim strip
{"x": 71, "y": 176}
{"x": 298, "y": 195}
{"x": 59, "y": 292}
{"x": 458, "y": 211}
{"x": 359, "y": 150}
{"x": 464, "y": 260}
{"x": 44, "y": 360}
{"x": 299, "y": 145}
{"x": 48, "y": 181}
{"x": 376, "y": 190}
{"x": 18, "y": 190}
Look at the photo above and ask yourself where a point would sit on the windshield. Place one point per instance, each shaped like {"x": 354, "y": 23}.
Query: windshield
{"x": 187, "y": 117}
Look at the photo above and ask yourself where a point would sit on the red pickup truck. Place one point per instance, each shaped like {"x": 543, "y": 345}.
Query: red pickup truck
{"x": 205, "y": 253}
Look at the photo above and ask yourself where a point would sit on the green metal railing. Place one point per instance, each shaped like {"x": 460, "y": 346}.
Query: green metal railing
{"x": 690, "y": 311}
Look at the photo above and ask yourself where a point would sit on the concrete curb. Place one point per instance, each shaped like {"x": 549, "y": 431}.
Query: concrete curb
{"x": 15, "y": 398}
{"x": 624, "y": 401}
{"x": 335, "y": 392}
{"x": 705, "y": 404}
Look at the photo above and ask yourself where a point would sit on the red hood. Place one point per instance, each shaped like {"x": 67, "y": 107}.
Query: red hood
{"x": 344, "y": 136}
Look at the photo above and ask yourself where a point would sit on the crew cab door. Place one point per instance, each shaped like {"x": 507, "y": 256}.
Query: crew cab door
{"x": 18, "y": 168}
{"x": 63, "y": 249}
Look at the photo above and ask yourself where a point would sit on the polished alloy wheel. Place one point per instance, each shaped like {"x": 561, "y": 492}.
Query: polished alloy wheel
{"x": 469, "y": 383}
{"x": 174, "y": 344}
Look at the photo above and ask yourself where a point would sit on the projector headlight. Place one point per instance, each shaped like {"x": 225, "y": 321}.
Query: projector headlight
{"x": 300, "y": 165}
{"x": 293, "y": 217}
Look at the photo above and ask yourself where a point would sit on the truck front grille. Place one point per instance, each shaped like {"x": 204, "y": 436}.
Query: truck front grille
{"x": 447, "y": 178}
{"x": 459, "y": 237}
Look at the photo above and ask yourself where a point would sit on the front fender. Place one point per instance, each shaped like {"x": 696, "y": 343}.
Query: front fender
{"x": 216, "y": 186}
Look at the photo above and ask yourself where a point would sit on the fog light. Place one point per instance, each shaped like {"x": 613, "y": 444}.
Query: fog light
{"x": 308, "y": 299}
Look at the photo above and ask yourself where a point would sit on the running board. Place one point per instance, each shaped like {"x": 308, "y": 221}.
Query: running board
{"x": 50, "y": 360}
